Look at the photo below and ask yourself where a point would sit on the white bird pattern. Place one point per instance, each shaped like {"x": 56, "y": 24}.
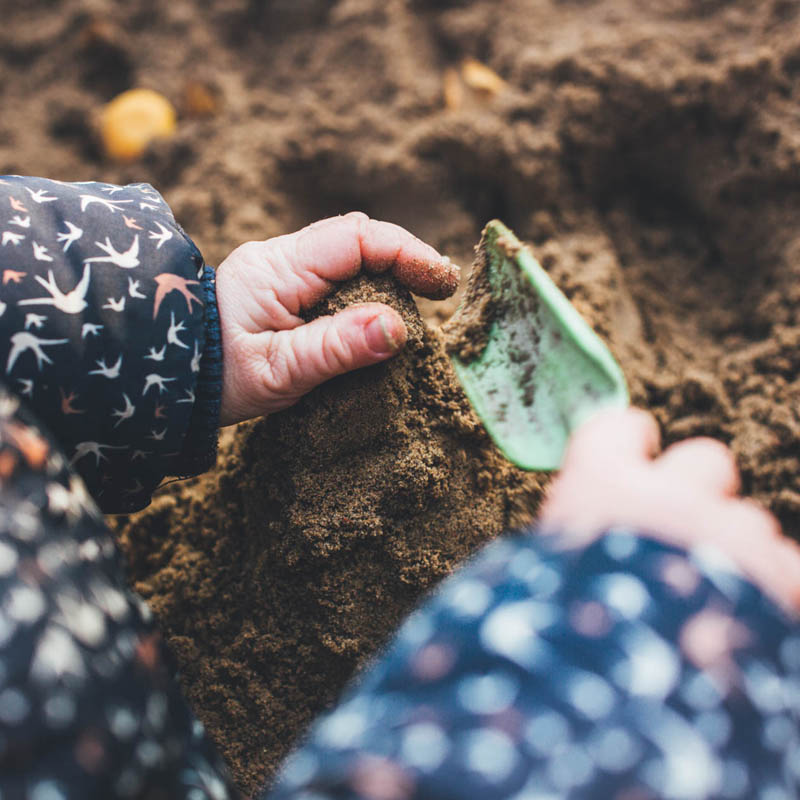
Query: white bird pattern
{"x": 22, "y": 222}
{"x": 73, "y": 302}
{"x": 111, "y": 205}
{"x": 22, "y": 341}
{"x": 40, "y": 252}
{"x": 127, "y": 259}
{"x": 90, "y": 329}
{"x": 174, "y": 330}
{"x": 34, "y": 321}
{"x": 40, "y": 195}
{"x": 156, "y": 355}
{"x": 195, "y": 362}
{"x": 95, "y": 448}
{"x": 156, "y": 380}
{"x": 133, "y": 289}
{"x": 124, "y": 413}
{"x": 161, "y": 237}
{"x": 13, "y": 238}
{"x": 72, "y": 234}
{"x": 106, "y": 371}
{"x": 115, "y": 305}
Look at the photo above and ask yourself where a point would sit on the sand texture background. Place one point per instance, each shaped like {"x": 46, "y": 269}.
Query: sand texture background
{"x": 649, "y": 150}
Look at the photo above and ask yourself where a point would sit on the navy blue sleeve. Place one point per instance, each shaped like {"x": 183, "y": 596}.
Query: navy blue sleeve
{"x": 110, "y": 332}
{"x": 625, "y": 669}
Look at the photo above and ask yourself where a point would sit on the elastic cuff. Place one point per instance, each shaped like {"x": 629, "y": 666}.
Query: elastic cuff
{"x": 200, "y": 449}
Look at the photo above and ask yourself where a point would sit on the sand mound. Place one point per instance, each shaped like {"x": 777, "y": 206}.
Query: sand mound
{"x": 276, "y": 575}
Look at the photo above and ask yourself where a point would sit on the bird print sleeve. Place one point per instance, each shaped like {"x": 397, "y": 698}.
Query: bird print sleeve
{"x": 109, "y": 332}
{"x": 625, "y": 670}
{"x": 89, "y": 707}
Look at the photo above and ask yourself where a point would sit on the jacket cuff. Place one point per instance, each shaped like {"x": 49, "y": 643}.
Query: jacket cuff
{"x": 199, "y": 451}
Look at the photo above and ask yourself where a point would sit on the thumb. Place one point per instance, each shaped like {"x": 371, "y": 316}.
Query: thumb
{"x": 299, "y": 359}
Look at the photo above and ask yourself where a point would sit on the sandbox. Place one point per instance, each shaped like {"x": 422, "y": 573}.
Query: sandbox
{"x": 648, "y": 151}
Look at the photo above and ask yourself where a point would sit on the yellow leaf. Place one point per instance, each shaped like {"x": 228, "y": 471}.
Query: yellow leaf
{"x": 132, "y": 120}
{"x": 481, "y": 78}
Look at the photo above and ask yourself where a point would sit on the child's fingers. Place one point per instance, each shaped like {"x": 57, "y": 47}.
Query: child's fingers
{"x": 273, "y": 280}
{"x": 338, "y": 248}
{"x": 704, "y": 463}
{"x": 297, "y": 360}
{"x": 752, "y": 538}
{"x": 611, "y": 437}
{"x": 415, "y": 264}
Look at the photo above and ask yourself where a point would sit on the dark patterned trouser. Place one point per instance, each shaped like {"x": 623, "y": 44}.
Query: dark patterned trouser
{"x": 626, "y": 670}
{"x": 88, "y": 706}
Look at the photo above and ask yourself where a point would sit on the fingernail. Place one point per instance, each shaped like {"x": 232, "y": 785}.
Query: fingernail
{"x": 453, "y": 274}
{"x": 380, "y": 336}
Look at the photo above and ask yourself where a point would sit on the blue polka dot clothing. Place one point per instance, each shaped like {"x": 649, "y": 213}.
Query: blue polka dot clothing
{"x": 623, "y": 670}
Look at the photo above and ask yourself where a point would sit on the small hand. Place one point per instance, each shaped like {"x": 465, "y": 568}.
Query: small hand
{"x": 687, "y": 496}
{"x": 271, "y": 357}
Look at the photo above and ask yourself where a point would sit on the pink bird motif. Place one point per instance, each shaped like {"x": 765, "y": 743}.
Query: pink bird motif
{"x": 167, "y": 282}
{"x": 66, "y": 402}
{"x": 13, "y": 275}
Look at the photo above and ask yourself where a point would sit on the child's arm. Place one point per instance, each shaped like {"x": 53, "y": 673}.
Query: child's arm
{"x": 547, "y": 667}
{"x": 110, "y": 329}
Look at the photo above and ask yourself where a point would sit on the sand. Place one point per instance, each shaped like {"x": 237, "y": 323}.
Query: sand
{"x": 648, "y": 151}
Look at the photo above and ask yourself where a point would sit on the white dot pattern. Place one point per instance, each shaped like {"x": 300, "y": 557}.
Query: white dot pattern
{"x": 649, "y": 695}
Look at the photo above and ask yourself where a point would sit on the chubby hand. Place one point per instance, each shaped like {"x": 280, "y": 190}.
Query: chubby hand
{"x": 687, "y": 496}
{"x": 271, "y": 356}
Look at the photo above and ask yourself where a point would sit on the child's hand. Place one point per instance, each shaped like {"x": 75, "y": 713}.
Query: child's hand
{"x": 686, "y": 496}
{"x": 271, "y": 358}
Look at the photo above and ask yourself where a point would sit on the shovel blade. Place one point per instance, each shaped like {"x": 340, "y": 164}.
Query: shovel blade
{"x": 543, "y": 370}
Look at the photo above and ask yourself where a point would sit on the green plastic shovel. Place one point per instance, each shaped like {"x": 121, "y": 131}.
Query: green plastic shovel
{"x": 538, "y": 370}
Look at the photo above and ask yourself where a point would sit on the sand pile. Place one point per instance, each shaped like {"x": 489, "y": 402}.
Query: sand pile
{"x": 275, "y": 576}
